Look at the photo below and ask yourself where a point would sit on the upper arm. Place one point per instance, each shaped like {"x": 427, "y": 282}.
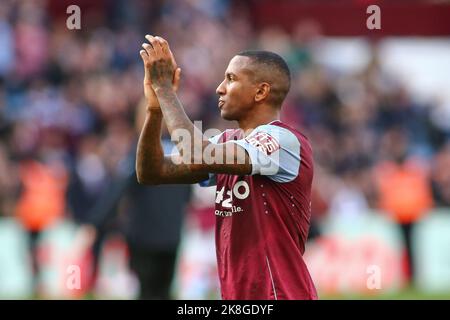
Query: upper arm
{"x": 274, "y": 152}
{"x": 269, "y": 150}
{"x": 174, "y": 171}
{"x": 226, "y": 158}
{"x": 223, "y": 158}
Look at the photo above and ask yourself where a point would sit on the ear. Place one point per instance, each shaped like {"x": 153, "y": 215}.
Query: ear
{"x": 262, "y": 91}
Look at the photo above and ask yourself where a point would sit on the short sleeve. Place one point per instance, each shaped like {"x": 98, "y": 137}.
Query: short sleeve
{"x": 274, "y": 152}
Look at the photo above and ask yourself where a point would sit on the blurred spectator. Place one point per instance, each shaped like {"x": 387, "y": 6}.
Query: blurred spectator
{"x": 148, "y": 216}
{"x": 154, "y": 217}
{"x": 88, "y": 181}
{"x": 9, "y": 184}
{"x": 153, "y": 230}
{"x": 440, "y": 177}
{"x": 67, "y": 104}
{"x": 41, "y": 202}
{"x": 404, "y": 191}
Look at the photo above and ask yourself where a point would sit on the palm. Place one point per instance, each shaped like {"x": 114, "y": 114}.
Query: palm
{"x": 149, "y": 92}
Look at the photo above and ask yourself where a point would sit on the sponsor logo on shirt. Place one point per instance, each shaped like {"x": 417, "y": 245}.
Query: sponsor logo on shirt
{"x": 224, "y": 198}
{"x": 264, "y": 142}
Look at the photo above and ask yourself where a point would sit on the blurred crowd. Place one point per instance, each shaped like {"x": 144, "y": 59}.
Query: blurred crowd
{"x": 69, "y": 99}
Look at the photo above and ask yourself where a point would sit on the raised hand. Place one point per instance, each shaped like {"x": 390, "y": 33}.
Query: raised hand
{"x": 160, "y": 68}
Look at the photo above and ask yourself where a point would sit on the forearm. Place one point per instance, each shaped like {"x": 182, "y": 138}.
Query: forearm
{"x": 179, "y": 125}
{"x": 217, "y": 158}
{"x": 163, "y": 74}
{"x": 150, "y": 154}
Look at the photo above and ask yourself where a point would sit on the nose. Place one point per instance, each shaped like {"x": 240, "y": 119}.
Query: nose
{"x": 221, "y": 89}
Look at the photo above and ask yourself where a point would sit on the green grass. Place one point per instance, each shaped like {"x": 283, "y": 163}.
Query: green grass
{"x": 406, "y": 294}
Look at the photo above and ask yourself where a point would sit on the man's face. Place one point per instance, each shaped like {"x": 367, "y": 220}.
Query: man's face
{"x": 237, "y": 91}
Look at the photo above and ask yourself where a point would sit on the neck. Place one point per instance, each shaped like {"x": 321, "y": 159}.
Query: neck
{"x": 263, "y": 115}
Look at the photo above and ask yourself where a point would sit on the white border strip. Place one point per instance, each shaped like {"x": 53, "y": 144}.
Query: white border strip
{"x": 271, "y": 278}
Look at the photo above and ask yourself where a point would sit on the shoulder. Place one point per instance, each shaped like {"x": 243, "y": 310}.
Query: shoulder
{"x": 218, "y": 138}
{"x": 278, "y": 133}
{"x": 226, "y": 135}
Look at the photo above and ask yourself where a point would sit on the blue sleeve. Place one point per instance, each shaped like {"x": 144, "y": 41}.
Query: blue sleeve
{"x": 274, "y": 152}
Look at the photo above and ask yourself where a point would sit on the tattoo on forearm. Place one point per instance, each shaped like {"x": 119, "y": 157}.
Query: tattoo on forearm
{"x": 161, "y": 73}
{"x": 174, "y": 113}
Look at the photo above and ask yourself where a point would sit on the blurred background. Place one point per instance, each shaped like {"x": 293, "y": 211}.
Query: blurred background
{"x": 375, "y": 104}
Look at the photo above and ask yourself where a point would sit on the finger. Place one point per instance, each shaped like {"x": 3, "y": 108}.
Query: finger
{"x": 149, "y": 50}
{"x": 144, "y": 55}
{"x": 155, "y": 44}
{"x": 166, "y": 50}
{"x": 176, "y": 79}
{"x": 172, "y": 58}
{"x": 164, "y": 44}
{"x": 146, "y": 60}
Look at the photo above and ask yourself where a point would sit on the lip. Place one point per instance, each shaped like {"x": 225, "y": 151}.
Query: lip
{"x": 221, "y": 103}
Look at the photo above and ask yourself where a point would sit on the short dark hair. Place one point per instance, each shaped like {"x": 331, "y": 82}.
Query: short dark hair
{"x": 274, "y": 70}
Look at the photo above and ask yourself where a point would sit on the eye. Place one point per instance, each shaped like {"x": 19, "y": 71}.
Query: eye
{"x": 230, "y": 77}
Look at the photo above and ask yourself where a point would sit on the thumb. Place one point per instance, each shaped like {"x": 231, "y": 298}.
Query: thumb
{"x": 176, "y": 79}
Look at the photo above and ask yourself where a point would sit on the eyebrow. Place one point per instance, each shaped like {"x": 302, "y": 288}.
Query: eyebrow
{"x": 229, "y": 74}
